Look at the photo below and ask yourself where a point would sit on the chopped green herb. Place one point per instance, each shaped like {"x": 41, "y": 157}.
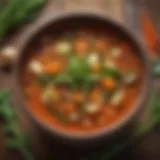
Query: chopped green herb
{"x": 112, "y": 73}
{"x": 62, "y": 79}
{"x": 64, "y": 119}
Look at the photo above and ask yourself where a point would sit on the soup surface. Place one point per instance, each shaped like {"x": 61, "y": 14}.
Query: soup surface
{"x": 83, "y": 81}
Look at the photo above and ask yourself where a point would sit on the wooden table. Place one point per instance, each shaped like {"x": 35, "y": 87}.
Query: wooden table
{"x": 116, "y": 9}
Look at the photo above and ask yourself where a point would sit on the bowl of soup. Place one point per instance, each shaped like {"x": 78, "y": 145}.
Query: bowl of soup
{"x": 82, "y": 77}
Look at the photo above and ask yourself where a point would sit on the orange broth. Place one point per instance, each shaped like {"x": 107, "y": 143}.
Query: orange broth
{"x": 56, "y": 88}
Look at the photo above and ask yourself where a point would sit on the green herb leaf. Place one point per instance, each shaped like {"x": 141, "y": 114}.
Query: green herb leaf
{"x": 16, "y": 12}
{"x": 58, "y": 115}
{"x": 12, "y": 144}
{"x": 111, "y": 73}
{"x": 16, "y": 138}
{"x": 156, "y": 67}
{"x": 63, "y": 78}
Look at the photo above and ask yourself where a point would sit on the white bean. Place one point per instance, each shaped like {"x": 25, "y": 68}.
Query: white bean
{"x": 117, "y": 98}
{"x": 93, "y": 59}
{"x": 36, "y": 67}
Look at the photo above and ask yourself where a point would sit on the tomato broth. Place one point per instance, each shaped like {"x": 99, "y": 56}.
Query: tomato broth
{"x": 83, "y": 81}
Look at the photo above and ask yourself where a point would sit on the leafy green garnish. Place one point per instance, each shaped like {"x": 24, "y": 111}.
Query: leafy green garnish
{"x": 16, "y": 138}
{"x": 16, "y": 12}
{"x": 78, "y": 68}
{"x": 58, "y": 114}
{"x": 63, "y": 78}
{"x": 155, "y": 67}
{"x": 79, "y": 71}
{"x": 114, "y": 73}
{"x": 79, "y": 74}
{"x": 90, "y": 80}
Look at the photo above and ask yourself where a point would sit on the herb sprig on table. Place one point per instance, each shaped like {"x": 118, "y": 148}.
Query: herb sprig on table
{"x": 155, "y": 67}
{"x": 16, "y": 139}
{"x": 15, "y": 12}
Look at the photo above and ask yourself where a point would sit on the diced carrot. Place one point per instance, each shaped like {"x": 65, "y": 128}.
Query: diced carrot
{"x": 70, "y": 108}
{"x": 108, "y": 83}
{"x": 53, "y": 68}
{"x": 78, "y": 97}
{"x": 56, "y": 97}
{"x": 96, "y": 68}
{"x": 81, "y": 46}
{"x": 101, "y": 46}
{"x": 94, "y": 95}
{"x": 150, "y": 35}
{"x": 149, "y": 32}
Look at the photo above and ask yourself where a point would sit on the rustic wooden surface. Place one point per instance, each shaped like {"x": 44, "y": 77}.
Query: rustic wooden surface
{"x": 45, "y": 150}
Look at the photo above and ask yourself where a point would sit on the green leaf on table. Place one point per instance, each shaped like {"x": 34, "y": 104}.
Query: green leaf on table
{"x": 16, "y": 139}
{"x": 16, "y": 12}
{"x": 5, "y": 93}
{"x": 155, "y": 67}
{"x": 24, "y": 140}
{"x": 12, "y": 128}
{"x": 12, "y": 144}
{"x": 155, "y": 110}
{"x": 27, "y": 139}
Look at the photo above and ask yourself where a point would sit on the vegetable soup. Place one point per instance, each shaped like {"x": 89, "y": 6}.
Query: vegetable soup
{"x": 83, "y": 81}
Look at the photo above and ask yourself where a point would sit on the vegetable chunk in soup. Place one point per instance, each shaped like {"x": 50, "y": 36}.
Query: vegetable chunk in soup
{"x": 83, "y": 82}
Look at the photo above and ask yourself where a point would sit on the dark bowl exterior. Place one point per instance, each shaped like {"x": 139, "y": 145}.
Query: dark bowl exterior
{"x": 118, "y": 132}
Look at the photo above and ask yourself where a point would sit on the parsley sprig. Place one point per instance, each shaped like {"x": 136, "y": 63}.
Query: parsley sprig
{"x": 16, "y": 139}
{"x": 15, "y": 12}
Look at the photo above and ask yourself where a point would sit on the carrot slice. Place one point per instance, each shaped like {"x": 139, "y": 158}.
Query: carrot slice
{"x": 81, "y": 46}
{"x": 78, "y": 97}
{"x": 53, "y": 68}
{"x": 108, "y": 83}
{"x": 70, "y": 108}
{"x": 94, "y": 95}
{"x": 149, "y": 32}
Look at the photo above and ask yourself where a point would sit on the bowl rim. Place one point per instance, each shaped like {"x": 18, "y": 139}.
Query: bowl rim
{"x": 104, "y": 131}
